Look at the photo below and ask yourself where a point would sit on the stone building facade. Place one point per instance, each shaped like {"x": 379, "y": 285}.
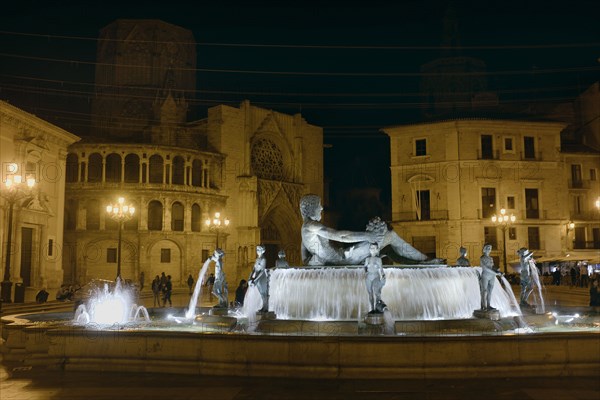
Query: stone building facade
{"x": 248, "y": 163}
{"x": 450, "y": 177}
{"x": 31, "y": 147}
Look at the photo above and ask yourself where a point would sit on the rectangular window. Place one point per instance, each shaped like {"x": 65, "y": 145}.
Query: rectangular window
{"x": 50, "y": 247}
{"x": 508, "y": 144}
{"x": 593, "y": 175}
{"x": 529, "y": 145}
{"x": 489, "y": 236}
{"x": 579, "y": 238}
{"x": 533, "y": 237}
{"x": 532, "y": 206}
{"x": 487, "y": 149}
{"x": 576, "y": 176}
{"x": 510, "y": 202}
{"x": 204, "y": 254}
{"x": 488, "y": 202}
{"x": 111, "y": 255}
{"x": 577, "y": 204}
{"x": 420, "y": 147}
{"x": 165, "y": 255}
{"x": 423, "y": 204}
{"x": 512, "y": 233}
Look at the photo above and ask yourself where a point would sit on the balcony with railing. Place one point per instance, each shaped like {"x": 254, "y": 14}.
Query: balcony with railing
{"x": 586, "y": 245}
{"x": 488, "y": 154}
{"x": 531, "y": 156}
{"x": 591, "y": 215}
{"x": 579, "y": 184}
{"x": 434, "y": 215}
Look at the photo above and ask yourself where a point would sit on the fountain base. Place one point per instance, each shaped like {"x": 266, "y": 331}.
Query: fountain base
{"x": 215, "y": 323}
{"x": 218, "y": 311}
{"x": 265, "y": 315}
{"x": 374, "y": 319}
{"x": 492, "y": 314}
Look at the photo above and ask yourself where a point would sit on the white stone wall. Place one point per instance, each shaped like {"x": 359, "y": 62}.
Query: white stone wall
{"x": 25, "y": 139}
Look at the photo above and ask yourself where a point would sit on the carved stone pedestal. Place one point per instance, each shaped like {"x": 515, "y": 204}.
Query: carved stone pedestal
{"x": 218, "y": 311}
{"x": 530, "y": 309}
{"x": 374, "y": 319}
{"x": 492, "y": 314}
{"x": 265, "y": 315}
{"x": 215, "y": 323}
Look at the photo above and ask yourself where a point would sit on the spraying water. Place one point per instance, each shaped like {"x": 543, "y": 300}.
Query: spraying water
{"x": 108, "y": 307}
{"x": 191, "y": 311}
{"x": 535, "y": 277}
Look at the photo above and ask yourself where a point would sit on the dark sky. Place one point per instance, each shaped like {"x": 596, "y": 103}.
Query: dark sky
{"x": 350, "y": 67}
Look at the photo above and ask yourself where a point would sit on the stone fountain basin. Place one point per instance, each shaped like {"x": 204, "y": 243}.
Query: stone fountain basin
{"x": 341, "y": 349}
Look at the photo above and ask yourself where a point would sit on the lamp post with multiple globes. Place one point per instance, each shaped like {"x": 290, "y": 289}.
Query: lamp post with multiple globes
{"x": 503, "y": 221}
{"x": 14, "y": 189}
{"x": 216, "y": 224}
{"x": 121, "y": 213}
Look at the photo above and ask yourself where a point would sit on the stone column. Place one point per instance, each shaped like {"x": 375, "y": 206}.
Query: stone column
{"x": 103, "y": 169}
{"x": 122, "y": 169}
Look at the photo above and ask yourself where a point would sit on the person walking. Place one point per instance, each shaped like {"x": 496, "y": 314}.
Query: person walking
{"x": 142, "y": 278}
{"x": 190, "y": 282}
{"x": 156, "y": 290}
{"x": 167, "y": 292}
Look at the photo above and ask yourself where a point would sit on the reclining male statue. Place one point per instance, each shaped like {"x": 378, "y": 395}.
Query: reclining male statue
{"x": 317, "y": 248}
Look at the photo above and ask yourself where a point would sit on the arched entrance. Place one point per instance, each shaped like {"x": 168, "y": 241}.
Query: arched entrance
{"x": 280, "y": 230}
{"x": 271, "y": 239}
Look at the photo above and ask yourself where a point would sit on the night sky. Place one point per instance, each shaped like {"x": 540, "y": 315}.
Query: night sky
{"x": 350, "y": 67}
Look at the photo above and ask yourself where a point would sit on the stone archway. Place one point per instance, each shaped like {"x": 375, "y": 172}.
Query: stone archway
{"x": 165, "y": 256}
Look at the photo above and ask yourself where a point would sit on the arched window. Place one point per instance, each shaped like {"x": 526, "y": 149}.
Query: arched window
{"x": 196, "y": 218}
{"x": 72, "y": 167}
{"x": 267, "y": 160}
{"x": 178, "y": 170}
{"x": 95, "y": 168}
{"x": 197, "y": 173}
{"x": 113, "y": 168}
{"x": 156, "y": 169}
{"x": 155, "y": 215}
{"x": 177, "y": 217}
{"x": 92, "y": 215}
{"x": 132, "y": 168}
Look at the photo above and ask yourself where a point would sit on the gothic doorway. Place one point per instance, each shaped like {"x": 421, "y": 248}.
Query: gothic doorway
{"x": 271, "y": 239}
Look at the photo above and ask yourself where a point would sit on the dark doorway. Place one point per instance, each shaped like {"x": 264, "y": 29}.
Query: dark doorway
{"x": 26, "y": 255}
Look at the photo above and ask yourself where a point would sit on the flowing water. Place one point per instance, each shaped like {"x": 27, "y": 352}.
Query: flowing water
{"x": 537, "y": 284}
{"x": 420, "y": 293}
{"x": 191, "y": 311}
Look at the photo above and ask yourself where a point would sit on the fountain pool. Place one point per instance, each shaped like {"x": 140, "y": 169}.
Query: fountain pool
{"x": 319, "y": 332}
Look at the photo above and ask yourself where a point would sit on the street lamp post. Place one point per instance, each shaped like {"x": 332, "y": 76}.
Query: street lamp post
{"x": 504, "y": 221}
{"x": 570, "y": 227}
{"x": 216, "y": 225}
{"x": 14, "y": 190}
{"x": 121, "y": 213}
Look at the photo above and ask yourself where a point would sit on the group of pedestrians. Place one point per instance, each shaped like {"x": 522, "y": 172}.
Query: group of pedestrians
{"x": 162, "y": 287}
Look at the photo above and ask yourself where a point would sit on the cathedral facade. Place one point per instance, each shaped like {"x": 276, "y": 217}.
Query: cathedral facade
{"x": 247, "y": 163}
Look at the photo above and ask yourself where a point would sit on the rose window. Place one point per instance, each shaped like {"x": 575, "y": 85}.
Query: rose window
{"x": 267, "y": 160}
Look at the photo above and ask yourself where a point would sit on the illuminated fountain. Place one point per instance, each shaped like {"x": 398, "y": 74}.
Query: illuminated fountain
{"x": 411, "y": 293}
{"x": 320, "y": 329}
{"x": 107, "y": 307}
